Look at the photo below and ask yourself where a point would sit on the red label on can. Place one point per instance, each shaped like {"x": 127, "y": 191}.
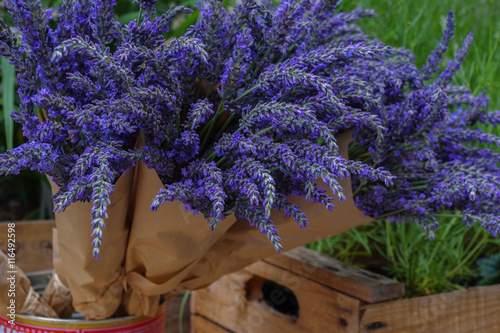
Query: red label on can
{"x": 149, "y": 325}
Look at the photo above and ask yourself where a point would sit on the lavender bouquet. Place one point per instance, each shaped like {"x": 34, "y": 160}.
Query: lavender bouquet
{"x": 241, "y": 113}
{"x": 433, "y": 144}
{"x": 235, "y": 116}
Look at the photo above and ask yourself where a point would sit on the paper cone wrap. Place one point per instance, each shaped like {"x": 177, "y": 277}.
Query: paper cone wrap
{"x": 164, "y": 245}
{"x": 243, "y": 244}
{"x": 95, "y": 284}
{"x": 172, "y": 249}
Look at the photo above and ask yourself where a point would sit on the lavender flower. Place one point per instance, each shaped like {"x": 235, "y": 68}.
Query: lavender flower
{"x": 430, "y": 147}
{"x": 242, "y": 112}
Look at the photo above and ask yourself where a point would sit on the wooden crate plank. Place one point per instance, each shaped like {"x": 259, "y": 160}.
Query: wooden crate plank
{"x": 472, "y": 310}
{"x": 236, "y": 303}
{"x": 33, "y": 244}
{"x": 359, "y": 283}
{"x": 200, "y": 324}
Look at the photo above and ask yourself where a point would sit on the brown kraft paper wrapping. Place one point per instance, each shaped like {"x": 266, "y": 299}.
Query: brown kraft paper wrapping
{"x": 95, "y": 284}
{"x": 26, "y": 300}
{"x": 135, "y": 302}
{"x": 164, "y": 245}
{"x": 58, "y": 297}
{"x": 243, "y": 244}
{"x": 172, "y": 249}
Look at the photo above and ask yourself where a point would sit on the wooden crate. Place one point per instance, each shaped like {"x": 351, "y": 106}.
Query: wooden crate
{"x": 303, "y": 291}
{"x": 34, "y": 253}
{"x": 33, "y": 244}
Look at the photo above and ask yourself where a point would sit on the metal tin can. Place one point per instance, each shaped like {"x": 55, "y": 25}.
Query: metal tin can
{"x": 131, "y": 324}
{"x": 34, "y": 324}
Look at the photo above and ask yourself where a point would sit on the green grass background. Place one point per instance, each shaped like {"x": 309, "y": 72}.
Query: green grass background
{"x": 403, "y": 251}
{"x": 418, "y": 26}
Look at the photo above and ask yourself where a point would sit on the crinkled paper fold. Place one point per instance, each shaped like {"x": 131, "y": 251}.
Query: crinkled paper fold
{"x": 146, "y": 255}
{"x": 165, "y": 245}
{"x": 95, "y": 285}
{"x": 171, "y": 250}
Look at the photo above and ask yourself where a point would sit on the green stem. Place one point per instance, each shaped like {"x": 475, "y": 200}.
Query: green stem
{"x": 226, "y": 124}
{"x": 139, "y": 16}
{"x": 265, "y": 130}
{"x": 260, "y": 65}
{"x": 391, "y": 213}
{"x": 455, "y": 215}
{"x": 418, "y": 182}
{"x": 182, "y": 306}
{"x": 389, "y": 247}
{"x": 198, "y": 88}
{"x": 363, "y": 183}
{"x": 419, "y": 187}
{"x": 445, "y": 235}
{"x": 221, "y": 161}
{"x": 359, "y": 155}
{"x": 464, "y": 261}
{"x": 211, "y": 157}
{"x": 366, "y": 160}
{"x": 357, "y": 149}
{"x": 246, "y": 92}
{"x": 399, "y": 210}
{"x": 210, "y": 125}
{"x": 8, "y": 79}
{"x": 209, "y": 91}
{"x": 446, "y": 215}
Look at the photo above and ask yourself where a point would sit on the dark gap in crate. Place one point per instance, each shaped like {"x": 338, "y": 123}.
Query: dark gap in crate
{"x": 280, "y": 298}
{"x": 274, "y": 295}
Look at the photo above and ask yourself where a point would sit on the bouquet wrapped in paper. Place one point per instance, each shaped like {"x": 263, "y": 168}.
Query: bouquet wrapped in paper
{"x": 189, "y": 158}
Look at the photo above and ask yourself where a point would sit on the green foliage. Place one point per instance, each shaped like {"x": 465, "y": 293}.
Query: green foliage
{"x": 8, "y": 75}
{"x": 489, "y": 270}
{"x": 403, "y": 251}
{"x": 418, "y": 25}
{"x": 350, "y": 246}
{"x": 430, "y": 267}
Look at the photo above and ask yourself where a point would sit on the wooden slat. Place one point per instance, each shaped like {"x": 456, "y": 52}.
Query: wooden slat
{"x": 203, "y": 325}
{"x": 467, "y": 311}
{"x": 235, "y": 302}
{"x": 359, "y": 283}
{"x": 33, "y": 244}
